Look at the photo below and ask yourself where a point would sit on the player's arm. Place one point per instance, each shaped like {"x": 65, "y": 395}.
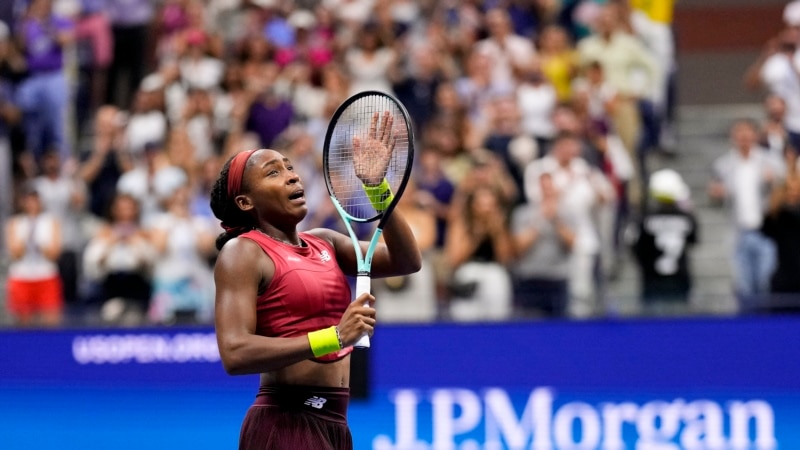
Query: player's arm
{"x": 240, "y": 268}
{"x": 397, "y": 255}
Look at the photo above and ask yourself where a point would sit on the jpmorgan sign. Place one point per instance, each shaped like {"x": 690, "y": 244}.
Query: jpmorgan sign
{"x": 465, "y": 419}
{"x": 699, "y": 384}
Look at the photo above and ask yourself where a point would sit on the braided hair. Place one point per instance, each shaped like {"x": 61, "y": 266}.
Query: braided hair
{"x": 235, "y": 221}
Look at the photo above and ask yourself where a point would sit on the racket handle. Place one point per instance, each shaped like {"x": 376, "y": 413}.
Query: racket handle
{"x": 362, "y": 287}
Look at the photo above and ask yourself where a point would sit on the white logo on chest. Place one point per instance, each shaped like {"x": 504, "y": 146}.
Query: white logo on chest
{"x": 324, "y": 256}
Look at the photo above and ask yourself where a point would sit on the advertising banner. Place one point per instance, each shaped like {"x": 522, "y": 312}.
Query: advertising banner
{"x": 731, "y": 383}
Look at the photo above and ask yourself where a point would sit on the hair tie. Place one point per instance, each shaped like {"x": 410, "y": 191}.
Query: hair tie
{"x": 236, "y": 172}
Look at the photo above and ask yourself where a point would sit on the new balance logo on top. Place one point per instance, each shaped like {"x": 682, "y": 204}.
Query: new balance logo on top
{"x": 315, "y": 402}
{"x": 324, "y": 256}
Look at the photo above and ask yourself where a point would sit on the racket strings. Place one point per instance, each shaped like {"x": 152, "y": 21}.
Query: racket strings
{"x": 356, "y": 123}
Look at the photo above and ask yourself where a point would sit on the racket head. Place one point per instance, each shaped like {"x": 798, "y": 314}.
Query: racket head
{"x": 352, "y": 119}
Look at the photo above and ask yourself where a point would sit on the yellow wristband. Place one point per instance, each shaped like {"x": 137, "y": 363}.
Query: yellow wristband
{"x": 324, "y": 341}
{"x": 380, "y": 196}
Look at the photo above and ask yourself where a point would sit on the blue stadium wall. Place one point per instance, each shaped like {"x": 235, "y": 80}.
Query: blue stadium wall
{"x": 658, "y": 385}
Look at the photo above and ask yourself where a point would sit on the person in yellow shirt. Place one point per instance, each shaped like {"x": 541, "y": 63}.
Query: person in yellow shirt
{"x": 658, "y": 10}
{"x": 559, "y": 61}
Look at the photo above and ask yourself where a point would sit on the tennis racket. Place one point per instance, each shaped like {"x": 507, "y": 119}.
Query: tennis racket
{"x": 369, "y": 139}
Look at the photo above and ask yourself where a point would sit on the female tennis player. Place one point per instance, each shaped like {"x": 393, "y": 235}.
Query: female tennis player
{"x": 283, "y": 304}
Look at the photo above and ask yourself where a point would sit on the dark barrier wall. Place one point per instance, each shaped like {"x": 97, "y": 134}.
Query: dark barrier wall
{"x": 660, "y": 385}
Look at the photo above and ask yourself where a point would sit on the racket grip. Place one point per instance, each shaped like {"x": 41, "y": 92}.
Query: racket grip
{"x": 362, "y": 287}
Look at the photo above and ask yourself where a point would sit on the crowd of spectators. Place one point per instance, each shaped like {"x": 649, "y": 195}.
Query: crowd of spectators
{"x": 533, "y": 124}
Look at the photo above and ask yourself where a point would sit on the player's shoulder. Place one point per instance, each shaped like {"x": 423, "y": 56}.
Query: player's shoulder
{"x": 325, "y": 234}
{"x": 239, "y": 252}
{"x": 337, "y": 241}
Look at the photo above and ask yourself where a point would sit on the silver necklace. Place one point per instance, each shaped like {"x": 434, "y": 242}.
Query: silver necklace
{"x": 300, "y": 245}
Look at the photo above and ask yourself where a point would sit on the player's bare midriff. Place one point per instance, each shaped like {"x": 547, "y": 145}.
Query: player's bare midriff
{"x": 311, "y": 373}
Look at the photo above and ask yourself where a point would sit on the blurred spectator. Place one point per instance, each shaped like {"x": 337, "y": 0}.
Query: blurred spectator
{"x": 370, "y": 62}
{"x": 147, "y": 122}
{"x": 256, "y": 55}
{"x": 10, "y": 116}
{"x": 198, "y": 68}
{"x": 231, "y": 96}
{"x": 537, "y": 99}
{"x": 507, "y": 51}
{"x": 302, "y": 85}
{"x": 423, "y": 71}
{"x": 12, "y": 62}
{"x": 475, "y": 86}
{"x": 200, "y": 186}
{"x": 503, "y": 136}
{"x": 661, "y": 243}
{"x": 594, "y": 98}
{"x": 34, "y": 245}
{"x": 183, "y": 289}
{"x": 171, "y": 21}
{"x": 582, "y": 190}
{"x": 791, "y": 13}
{"x": 616, "y": 165}
{"x": 477, "y": 248}
{"x": 152, "y": 181}
{"x": 44, "y": 95}
{"x": 106, "y": 160}
{"x": 773, "y": 134}
{"x": 558, "y": 60}
{"x": 651, "y": 22}
{"x": 434, "y": 193}
{"x": 64, "y": 196}
{"x": 313, "y": 42}
{"x": 782, "y": 225}
{"x": 118, "y": 262}
{"x": 633, "y": 73}
{"x": 544, "y": 235}
{"x": 412, "y": 298}
{"x": 485, "y": 169}
{"x": 199, "y": 125}
{"x": 457, "y": 27}
{"x": 94, "y": 47}
{"x": 269, "y": 114}
{"x": 743, "y": 178}
{"x": 777, "y": 70}
{"x": 130, "y": 22}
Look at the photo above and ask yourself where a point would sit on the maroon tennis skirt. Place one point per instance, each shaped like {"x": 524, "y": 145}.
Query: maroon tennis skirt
{"x": 297, "y": 417}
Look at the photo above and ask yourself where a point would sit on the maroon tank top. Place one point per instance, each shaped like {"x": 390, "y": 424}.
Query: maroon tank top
{"x": 308, "y": 291}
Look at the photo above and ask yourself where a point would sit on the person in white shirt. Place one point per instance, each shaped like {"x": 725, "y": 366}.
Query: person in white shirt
{"x": 581, "y": 189}
{"x": 147, "y": 122}
{"x": 537, "y": 100}
{"x": 34, "y": 245}
{"x": 370, "y": 62}
{"x": 152, "y": 182}
{"x": 509, "y": 52}
{"x": 778, "y": 71}
{"x": 743, "y": 179}
{"x": 65, "y": 197}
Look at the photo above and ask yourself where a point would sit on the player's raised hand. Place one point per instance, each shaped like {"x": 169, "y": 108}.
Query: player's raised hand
{"x": 371, "y": 156}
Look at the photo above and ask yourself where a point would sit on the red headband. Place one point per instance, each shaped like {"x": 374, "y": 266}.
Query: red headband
{"x": 236, "y": 173}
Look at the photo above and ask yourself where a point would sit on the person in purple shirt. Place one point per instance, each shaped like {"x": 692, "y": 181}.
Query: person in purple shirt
{"x": 44, "y": 95}
{"x": 269, "y": 116}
